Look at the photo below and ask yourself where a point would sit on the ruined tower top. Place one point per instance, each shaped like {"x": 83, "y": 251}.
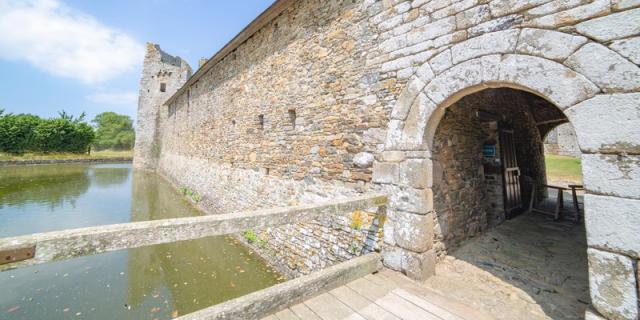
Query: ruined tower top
{"x": 162, "y": 75}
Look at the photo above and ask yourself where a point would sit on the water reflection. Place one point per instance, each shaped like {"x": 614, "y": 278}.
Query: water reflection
{"x": 155, "y": 282}
{"x": 43, "y": 198}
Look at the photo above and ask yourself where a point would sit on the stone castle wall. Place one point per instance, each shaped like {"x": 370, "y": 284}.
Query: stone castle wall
{"x": 162, "y": 75}
{"x": 467, "y": 197}
{"x": 337, "y": 98}
{"x": 562, "y": 141}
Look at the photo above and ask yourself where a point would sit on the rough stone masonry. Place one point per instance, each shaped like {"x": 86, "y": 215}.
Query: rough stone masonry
{"x": 323, "y": 99}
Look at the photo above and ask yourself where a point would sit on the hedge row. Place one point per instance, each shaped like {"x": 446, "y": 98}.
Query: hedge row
{"x": 28, "y": 133}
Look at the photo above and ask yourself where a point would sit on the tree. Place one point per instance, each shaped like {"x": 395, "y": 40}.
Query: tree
{"x": 113, "y": 131}
{"x": 16, "y": 131}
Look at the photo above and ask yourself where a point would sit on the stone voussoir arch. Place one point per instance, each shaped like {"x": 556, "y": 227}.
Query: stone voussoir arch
{"x": 547, "y": 63}
{"x": 527, "y": 59}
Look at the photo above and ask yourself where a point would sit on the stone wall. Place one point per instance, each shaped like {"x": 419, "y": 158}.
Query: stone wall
{"x": 459, "y": 193}
{"x": 336, "y": 98}
{"x": 562, "y": 141}
{"x": 468, "y": 193}
{"x": 162, "y": 75}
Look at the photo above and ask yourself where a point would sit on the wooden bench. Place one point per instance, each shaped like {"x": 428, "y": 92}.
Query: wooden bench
{"x": 559, "y": 201}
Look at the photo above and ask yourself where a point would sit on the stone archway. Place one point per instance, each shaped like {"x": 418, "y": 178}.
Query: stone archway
{"x": 602, "y": 104}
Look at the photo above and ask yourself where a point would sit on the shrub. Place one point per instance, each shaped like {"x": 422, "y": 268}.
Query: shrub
{"x": 26, "y": 132}
{"x": 250, "y": 236}
{"x": 17, "y": 132}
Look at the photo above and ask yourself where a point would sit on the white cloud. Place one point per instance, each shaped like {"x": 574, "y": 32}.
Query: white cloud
{"x": 65, "y": 42}
{"x": 114, "y": 98}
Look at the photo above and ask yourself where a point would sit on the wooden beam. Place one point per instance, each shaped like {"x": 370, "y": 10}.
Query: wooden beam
{"x": 551, "y": 121}
{"x": 66, "y": 244}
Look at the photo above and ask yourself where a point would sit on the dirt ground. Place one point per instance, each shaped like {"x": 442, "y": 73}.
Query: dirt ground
{"x": 529, "y": 267}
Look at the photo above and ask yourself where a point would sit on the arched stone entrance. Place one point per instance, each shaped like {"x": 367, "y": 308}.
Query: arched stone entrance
{"x": 602, "y": 105}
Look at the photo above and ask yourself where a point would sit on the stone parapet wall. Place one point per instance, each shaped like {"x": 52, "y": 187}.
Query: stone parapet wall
{"x": 296, "y": 249}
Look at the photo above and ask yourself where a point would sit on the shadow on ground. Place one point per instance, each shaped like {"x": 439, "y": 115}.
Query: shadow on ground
{"x": 530, "y": 267}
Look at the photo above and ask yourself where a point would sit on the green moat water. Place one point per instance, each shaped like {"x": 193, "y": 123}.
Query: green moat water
{"x": 155, "y": 282}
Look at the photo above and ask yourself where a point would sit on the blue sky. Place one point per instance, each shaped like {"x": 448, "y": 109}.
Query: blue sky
{"x": 81, "y": 55}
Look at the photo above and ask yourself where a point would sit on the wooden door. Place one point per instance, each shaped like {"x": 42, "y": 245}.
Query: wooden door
{"x": 511, "y": 174}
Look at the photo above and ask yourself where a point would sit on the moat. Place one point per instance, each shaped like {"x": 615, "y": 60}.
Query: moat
{"x": 155, "y": 282}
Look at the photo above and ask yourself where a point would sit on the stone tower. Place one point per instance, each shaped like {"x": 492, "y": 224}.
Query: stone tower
{"x": 162, "y": 76}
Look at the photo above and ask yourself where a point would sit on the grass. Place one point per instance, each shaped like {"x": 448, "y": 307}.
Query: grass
{"x": 562, "y": 168}
{"x": 105, "y": 154}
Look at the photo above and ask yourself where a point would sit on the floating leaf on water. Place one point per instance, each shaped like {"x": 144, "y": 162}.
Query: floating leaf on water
{"x": 13, "y": 309}
{"x": 174, "y": 314}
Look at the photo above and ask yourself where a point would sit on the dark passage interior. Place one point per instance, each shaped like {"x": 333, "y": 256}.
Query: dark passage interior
{"x": 488, "y": 155}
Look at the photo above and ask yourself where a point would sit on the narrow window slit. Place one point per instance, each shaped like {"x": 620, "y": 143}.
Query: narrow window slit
{"x": 292, "y": 117}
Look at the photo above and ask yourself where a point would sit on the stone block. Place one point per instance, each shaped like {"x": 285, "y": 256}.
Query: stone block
{"x": 441, "y": 62}
{"x": 385, "y": 172}
{"x": 504, "y": 7}
{"x": 407, "y": 98}
{"x": 608, "y": 123}
{"x": 412, "y": 134}
{"x": 615, "y": 175}
{"x": 425, "y": 73}
{"x": 419, "y": 266}
{"x": 606, "y": 68}
{"x": 628, "y": 48}
{"x": 392, "y": 156}
{"x": 413, "y": 200}
{"x": 413, "y": 232}
{"x": 473, "y": 16}
{"x": 612, "y": 283}
{"x": 416, "y": 173}
{"x": 592, "y": 315}
{"x": 490, "y": 43}
{"x": 432, "y": 30}
{"x": 611, "y": 27}
{"x": 392, "y": 258}
{"x": 461, "y": 76}
{"x": 363, "y": 160}
{"x": 502, "y": 23}
{"x": 572, "y": 16}
{"x": 613, "y": 223}
{"x": 548, "y": 44}
{"x": 552, "y": 80}
{"x": 624, "y": 4}
{"x": 388, "y": 233}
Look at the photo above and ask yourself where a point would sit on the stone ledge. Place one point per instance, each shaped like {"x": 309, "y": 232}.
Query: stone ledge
{"x": 261, "y": 303}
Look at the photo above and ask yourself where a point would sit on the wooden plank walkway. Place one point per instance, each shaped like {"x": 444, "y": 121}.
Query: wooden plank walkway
{"x": 386, "y": 295}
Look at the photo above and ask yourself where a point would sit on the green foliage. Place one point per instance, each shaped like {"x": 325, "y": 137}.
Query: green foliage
{"x": 113, "y": 131}
{"x": 17, "y": 132}
{"x": 250, "y": 236}
{"x": 194, "y": 196}
{"x": 24, "y": 132}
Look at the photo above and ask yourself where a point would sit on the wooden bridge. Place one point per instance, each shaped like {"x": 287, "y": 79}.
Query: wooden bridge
{"x": 356, "y": 289}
